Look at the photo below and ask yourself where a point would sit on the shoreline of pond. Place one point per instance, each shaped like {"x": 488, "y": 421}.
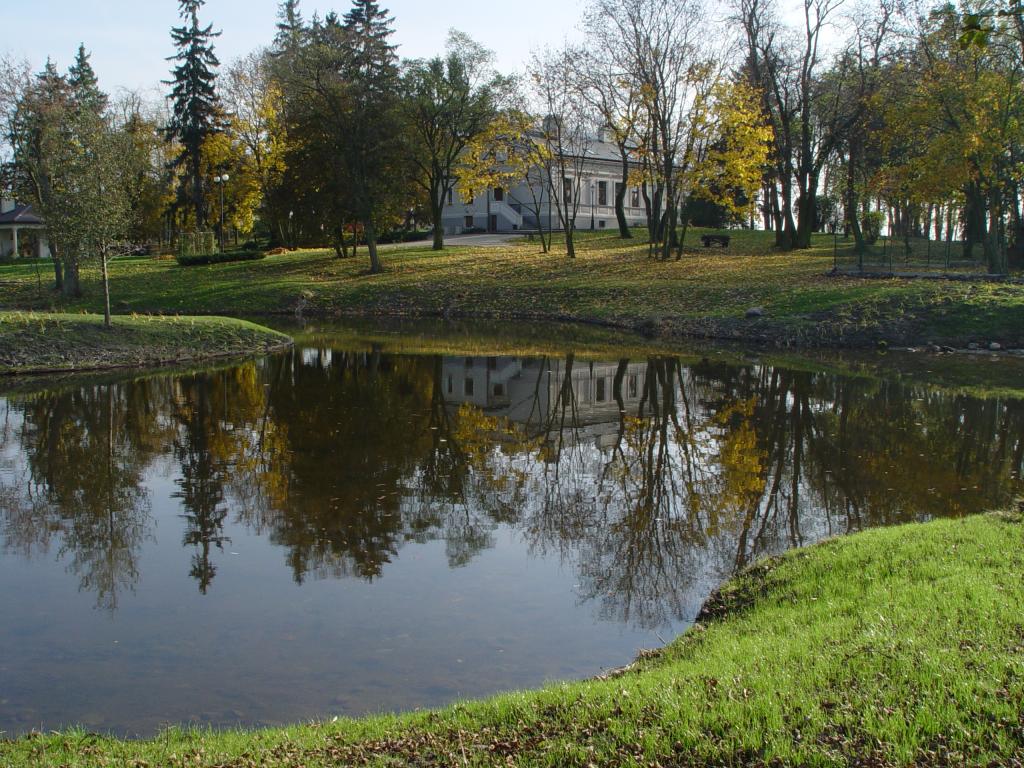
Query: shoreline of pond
{"x": 826, "y": 332}
{"x": 880, "y": 689}
{"x": 40, "y": 343}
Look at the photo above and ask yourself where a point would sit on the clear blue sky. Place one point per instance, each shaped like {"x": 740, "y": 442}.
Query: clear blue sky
{"x": 130, "y": 40}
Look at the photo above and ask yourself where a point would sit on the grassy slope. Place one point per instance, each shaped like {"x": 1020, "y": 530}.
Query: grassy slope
{"x": 32, "y": 341}
{"x": 902, "y": 646}
{"x": 705, "y": 294}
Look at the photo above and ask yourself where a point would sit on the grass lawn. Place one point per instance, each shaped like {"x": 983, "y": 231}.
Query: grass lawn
{"x": 895, "y": 647}
{"x": 706, "y": 294}
{"x": 46, "y": 342}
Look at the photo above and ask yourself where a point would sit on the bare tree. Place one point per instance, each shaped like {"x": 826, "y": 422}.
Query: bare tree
{"x": 660, "y": 47}
{"x": 568, "y": 132}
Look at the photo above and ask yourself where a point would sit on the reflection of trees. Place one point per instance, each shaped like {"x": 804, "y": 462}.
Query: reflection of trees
{"x": 655, "y": 489}
{"x": 84, "y": 454}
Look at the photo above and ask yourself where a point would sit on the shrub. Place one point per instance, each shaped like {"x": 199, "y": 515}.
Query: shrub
{"x": 220, "y": 258}
{"x": 871, "y": 226}
{"x": 404, "y": 236}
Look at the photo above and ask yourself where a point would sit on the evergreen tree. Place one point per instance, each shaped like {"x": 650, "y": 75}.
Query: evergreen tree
{"x": 370, "y": 31}
{"x": 85, "y": 87}
{"x": 289, "y": 25}
{"x": 194, "y": 97}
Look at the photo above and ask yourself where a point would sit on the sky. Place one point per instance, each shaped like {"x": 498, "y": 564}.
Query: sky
{"x": 130, "y": 41}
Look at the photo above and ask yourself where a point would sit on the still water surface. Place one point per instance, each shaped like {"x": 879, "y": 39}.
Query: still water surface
{"x": 329, "y": 531}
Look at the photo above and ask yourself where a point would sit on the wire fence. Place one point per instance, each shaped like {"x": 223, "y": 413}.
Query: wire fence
{"x": 915, "y": 255}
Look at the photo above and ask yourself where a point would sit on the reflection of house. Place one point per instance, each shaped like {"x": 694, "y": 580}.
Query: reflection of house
{"x": 501, "y": 210}
{"x": 22, "y": 232}
{"x": 532, "y": 392}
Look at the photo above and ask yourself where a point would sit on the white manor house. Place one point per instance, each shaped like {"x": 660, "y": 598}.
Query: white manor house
{"x": 512, "y": 210}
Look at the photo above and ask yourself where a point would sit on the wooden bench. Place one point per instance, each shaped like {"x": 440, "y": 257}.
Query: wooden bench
{"x": 710, "y": 241}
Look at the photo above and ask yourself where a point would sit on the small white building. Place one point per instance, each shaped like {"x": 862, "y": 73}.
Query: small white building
{"x": 22, "y": 232}
{"x": 512, "y": 210}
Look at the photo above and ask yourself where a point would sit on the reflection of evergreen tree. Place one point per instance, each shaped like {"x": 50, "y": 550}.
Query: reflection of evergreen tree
{"x": 201, "y": 485}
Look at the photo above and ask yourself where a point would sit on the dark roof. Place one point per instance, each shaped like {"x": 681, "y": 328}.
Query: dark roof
{"x": 22, "y": 214}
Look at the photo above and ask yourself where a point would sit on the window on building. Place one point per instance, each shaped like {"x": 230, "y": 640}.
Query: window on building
{"x": 468, "y": 387}
{"x": 451, "y": 196}
{"x": 601, "y": 394}
{"x": 634, "y": 198}
{"x": 634, "y": 385}
{"x": 499, "y": 194}
{"x": 567, "y": 195}
{"x": 451, "y": 386}
{"x": 600, "y": 224}
{"x": 469, "y": 222}
{"x": 499, "y": 390}
{"x": 602, "y": 193}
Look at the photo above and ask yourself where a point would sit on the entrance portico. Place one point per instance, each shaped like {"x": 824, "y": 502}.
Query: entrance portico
{"x": 22, "y": 232}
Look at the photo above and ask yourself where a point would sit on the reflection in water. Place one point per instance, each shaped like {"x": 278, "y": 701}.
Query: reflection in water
{"x": 650, "y": 479}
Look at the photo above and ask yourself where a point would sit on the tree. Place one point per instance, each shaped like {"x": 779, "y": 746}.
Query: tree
{"x": 619, "y": 103}
{"x": 660, "y": 48}
{"x": 342, "y": 107}
{"x": 727, "y": 161}
{"x": 567, "y": 132}
{"x": 37, "y": 107}
{"x": 289, "y": 25}
{"x": 958, "y": 131}
{"x": 510, "y": 152}
{"x": 84, "y": 83}
{"x": 194, "y": 98}
{"x": 253, "y": 100}
{"x": 448, "y": 102}
{"x": 87, "y": 208}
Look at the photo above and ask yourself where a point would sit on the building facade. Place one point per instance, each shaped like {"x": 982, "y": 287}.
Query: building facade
{"x": 513, "y": 210}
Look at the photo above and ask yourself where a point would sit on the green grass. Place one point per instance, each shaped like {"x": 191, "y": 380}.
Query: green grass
{"x": 46, "y": 342}
{"x": 612, "y": 282}
{"x": 895, "y": 647}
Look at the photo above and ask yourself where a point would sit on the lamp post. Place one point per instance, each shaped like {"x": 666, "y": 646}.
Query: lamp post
{"x": 221, "y": 181}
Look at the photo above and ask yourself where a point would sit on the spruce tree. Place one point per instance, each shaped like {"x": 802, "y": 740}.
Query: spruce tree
{"x": 370, "y": 32}
{"x": 85, "y": 87}
{"x": 289, "y": 25}
{"x": 194, "y": 96}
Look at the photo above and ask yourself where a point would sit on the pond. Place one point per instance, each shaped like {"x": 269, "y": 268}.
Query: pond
{"x": 353, "y": 527}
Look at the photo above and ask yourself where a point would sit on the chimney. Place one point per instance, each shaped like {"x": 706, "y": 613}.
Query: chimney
{"x": 6, "y": 205}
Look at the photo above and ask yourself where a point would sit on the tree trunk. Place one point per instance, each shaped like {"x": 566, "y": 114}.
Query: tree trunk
{"x": 974, "y": 220}
{"x": 371, "y": 246}
{"x": 71, "y": 288}
{"x": 620, "y": 198}
{"x": 570, "y": 243}
{"x": 106, "y": 290}
{"x": 436, "y": 221}
{"x": 58, "y": 269}
{"x": 994, "y": 244}
{"x": 852, "y": 219}
{"x": 807, "y": 212}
